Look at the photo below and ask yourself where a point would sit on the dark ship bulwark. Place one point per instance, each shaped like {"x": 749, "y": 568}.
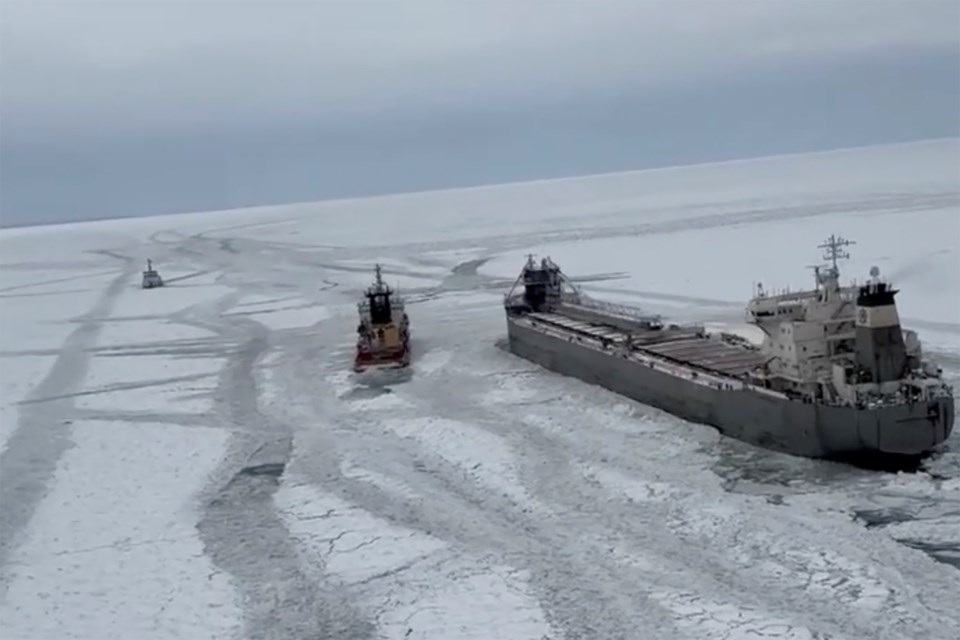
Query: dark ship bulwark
{"x": 836, "y": 376}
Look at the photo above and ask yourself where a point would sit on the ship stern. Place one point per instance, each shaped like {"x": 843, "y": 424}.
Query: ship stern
{"x": 916, "y": 429}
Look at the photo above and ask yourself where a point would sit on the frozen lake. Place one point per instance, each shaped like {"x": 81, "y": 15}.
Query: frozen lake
{"x": 198, "y": 461}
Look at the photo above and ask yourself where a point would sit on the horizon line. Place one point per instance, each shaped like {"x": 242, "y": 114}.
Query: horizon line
{"x": 488, "y": 186}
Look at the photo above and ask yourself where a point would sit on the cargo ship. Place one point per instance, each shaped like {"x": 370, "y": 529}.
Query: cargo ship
{"x": 836, "y": 376}
{"x": 383, "y": 334}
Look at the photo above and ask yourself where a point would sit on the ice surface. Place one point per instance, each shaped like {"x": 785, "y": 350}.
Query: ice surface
{"x": 200, "y": 461}
{"x": 30, "y": 371}
{"x": 112, "y": 551}
{"x": 478, "y": 453}
{"x": 678, "y": 269}
{"x": 716, "y": 619}
{"x": 295, "y": 316}
{"x": 163, "y": 375}
{"x": 415, "y": 584}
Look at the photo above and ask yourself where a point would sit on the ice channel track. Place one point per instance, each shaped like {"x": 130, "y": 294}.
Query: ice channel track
{"x": 568, "y": 530}
{"x": 30, "y": 458}
{"x": 240, "y": 524}
{"x": 685, "y": 218}
{"x": 309, "y": 259}
{"x": 562, "y": 524}
{"x": 606, "y": 557}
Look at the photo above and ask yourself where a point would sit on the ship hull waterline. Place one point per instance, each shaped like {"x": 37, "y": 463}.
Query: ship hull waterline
{"x": 775, "y": 423}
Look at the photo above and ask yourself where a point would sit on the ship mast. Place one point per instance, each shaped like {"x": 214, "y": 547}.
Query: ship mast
{"x": 828, "y": 280}
{"x": 833, "y": 250}
{"x": 379, "y": 287}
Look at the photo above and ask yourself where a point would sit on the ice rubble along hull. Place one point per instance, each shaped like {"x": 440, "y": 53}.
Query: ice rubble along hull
{"x": 746, "y": 413}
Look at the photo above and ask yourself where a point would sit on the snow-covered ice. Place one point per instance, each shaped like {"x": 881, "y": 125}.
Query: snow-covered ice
{"x": 111, "y": 551}
{"x": 198, "y": 460}
{"x": 775, "y": 255}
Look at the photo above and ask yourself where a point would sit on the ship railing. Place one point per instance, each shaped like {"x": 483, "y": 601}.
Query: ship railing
{"x": 611, "y": 308}
{"x": 906, "y": 394}
{"x": 878, "y": 400}
{"x": 513, "y": 297}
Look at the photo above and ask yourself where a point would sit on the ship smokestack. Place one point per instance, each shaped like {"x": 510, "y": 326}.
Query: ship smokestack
{"x": 879, "y": 338}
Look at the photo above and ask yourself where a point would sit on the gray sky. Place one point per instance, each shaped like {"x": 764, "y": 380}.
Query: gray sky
{"x": 132, "y": 107}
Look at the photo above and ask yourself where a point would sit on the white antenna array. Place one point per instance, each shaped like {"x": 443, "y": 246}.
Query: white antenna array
{"x": 833, "y": 249}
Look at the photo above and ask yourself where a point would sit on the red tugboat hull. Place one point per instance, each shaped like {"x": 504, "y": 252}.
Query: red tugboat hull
{"x": 366, "y": 360}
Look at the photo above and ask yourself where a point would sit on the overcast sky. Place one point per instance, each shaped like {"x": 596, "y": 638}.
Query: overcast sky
{"x": 132, "y": 107}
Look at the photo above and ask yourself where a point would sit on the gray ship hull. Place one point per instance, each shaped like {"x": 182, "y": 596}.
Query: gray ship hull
{"x": 767, "y": 420}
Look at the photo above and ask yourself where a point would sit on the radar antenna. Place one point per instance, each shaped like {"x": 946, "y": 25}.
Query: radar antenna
{"x": 833, "y": 249}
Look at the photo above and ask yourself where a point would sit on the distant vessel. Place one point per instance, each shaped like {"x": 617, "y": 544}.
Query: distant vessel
{"x": 151, "y": 278}
{"x": 835, "y": 377}
{"x": 383, "y": 335}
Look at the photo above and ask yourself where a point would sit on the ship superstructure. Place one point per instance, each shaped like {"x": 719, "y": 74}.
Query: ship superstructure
{"x": 383, "y": 334}
{"x": 835, "y": 376}
{"x": 842, "y": 345}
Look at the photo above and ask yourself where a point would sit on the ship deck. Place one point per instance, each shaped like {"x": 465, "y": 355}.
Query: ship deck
{"x": 682, "y": 346}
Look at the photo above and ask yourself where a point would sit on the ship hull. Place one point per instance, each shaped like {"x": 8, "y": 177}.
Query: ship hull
{"x": 386, "y": 347}
{"x": 773, "y": 422}
{"x": 396, "y": 358}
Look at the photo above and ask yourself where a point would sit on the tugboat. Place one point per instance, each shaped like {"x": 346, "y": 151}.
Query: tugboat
{"x": 836, "y": 377}
{"x": 151, "y": 278}
{"x": 383, "y": 335}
